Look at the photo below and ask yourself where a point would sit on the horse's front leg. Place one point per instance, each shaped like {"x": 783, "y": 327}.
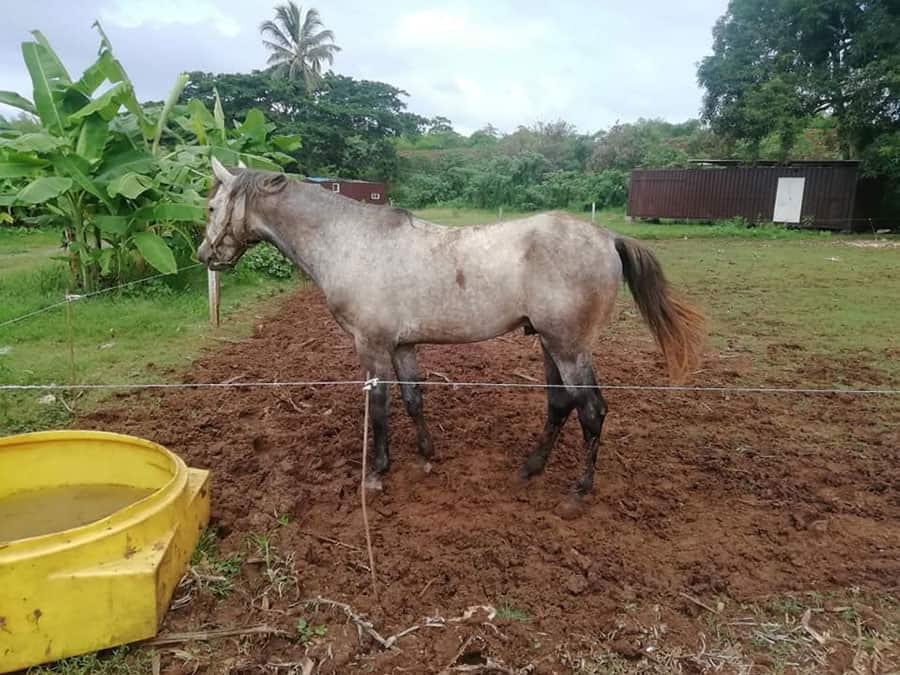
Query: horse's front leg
{"x": 377, "y": 363}
{"x": 407, "y": 372}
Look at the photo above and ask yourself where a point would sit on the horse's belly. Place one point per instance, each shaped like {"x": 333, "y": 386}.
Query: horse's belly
{"x": 453, "y": 322}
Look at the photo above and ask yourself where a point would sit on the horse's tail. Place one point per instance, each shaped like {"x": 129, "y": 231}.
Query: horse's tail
{"x": 677, "y": 326}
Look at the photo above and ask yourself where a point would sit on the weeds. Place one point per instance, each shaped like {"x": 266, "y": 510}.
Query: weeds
{"x": 509, "y": 613}
{"x": 118, "y": 661}
{"x": 306, "y": 632}
{"x": 213, "y": 572}
{"x": 279, "y": 571}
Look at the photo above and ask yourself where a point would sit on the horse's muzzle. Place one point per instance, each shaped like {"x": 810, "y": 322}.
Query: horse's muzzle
{"x": 219, "y": 265}
{"x": 207, "y": 255}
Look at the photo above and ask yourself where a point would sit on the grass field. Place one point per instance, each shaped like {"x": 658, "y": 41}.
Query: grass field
{"x": 614, "y": 219}
{"x": 124, "y": 336}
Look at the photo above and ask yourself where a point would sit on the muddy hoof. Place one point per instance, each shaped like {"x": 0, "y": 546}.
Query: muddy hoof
{"x": 523, "y": 477}
{"x": 425, "y": 466}
{"x": 373, "y": 482}
{"x": 572, "y": 507}
{"x": 526, "y": 473}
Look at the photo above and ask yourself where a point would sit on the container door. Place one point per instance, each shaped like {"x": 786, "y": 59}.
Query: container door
{"x": 788, "y": 200}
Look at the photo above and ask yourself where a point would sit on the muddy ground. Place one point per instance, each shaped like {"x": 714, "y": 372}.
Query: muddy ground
{"x": 703, "y": 502}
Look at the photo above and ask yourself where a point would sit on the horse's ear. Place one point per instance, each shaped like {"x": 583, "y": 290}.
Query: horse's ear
{"x": 224, "y": 175}
{"x": 274, "y": 184}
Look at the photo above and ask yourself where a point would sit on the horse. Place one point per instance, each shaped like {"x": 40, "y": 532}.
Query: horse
{"x": 393, "y": 281}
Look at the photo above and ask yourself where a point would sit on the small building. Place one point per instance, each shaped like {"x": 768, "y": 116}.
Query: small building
{"x": 820, "y": 194}
{"x": 360, "y": 190}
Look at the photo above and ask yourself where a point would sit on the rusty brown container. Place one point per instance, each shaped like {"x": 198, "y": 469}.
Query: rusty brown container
{"x": 360, "y": 190}
{"x": 717, "y": 190}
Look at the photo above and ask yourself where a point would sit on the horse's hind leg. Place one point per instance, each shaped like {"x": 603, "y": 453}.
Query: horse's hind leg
{"x": 559, "y": 406}
{"x": 578, "y": 372}
{"x": 405, "y": 367}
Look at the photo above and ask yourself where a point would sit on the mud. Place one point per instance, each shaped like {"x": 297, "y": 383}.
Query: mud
{"x": 709, "y": 495}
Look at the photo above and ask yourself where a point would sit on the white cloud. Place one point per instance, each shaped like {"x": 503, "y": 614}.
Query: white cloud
{"x": 441, "y": 28}
{"x": 136, "y": 13}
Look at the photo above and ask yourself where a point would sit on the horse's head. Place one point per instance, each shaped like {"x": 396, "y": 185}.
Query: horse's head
{"x": 231, "y": 224}
{"x": 227, "y": 233}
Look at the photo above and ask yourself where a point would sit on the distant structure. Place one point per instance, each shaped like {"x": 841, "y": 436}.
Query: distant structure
{"x": 817, "y": 194}
{"x": 360, "y": 190}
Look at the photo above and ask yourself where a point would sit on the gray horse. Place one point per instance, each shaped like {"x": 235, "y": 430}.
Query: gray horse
{"x": 393, "y": 281}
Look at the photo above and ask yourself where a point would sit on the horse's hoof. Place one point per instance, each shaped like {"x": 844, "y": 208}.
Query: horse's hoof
{"x": 572, "y": 507}
{"x": 425, "y": 465}
{"x": 527, "y": 472}
{"x": 373, "y": 482}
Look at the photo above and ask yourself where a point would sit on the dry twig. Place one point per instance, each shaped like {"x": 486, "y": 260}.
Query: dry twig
{"x": 814, "y": 634}
{"x": 363, "y": 625}
{"x": 206, "y": 635}
{"x": 329, "y": 540}
{"x": 699, "y": 603}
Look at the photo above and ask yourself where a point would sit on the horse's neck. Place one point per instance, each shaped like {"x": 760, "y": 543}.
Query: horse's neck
{"x": 310, "y": 227}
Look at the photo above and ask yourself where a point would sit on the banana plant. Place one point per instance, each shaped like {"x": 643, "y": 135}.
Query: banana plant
{"x": 123, "y": 182}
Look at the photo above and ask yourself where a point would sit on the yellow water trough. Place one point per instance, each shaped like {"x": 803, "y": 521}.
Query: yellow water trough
{"x": 96, "y": 529}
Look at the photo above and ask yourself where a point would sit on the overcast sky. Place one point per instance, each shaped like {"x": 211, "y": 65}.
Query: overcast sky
{"x": 505, "y": 63}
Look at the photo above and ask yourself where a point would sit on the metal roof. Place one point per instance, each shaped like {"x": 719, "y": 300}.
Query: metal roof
{"x": 321, "y": 179}
{"x": 769, "y": 162}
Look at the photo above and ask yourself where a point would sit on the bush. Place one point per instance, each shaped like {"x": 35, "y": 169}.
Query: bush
{"x": 268, "y": 261}
{"x": 521, "y": 182}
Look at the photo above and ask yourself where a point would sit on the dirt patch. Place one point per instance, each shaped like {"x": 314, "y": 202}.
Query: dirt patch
{"x": 710, "y": 496}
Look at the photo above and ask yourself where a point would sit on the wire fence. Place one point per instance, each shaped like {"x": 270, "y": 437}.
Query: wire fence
{"x": 295, "y": 384}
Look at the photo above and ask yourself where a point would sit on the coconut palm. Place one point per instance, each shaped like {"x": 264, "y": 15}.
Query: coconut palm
{"x": 298, "y": 46}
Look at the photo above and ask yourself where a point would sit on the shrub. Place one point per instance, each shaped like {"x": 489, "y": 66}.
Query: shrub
{"x": 267, "y": 260}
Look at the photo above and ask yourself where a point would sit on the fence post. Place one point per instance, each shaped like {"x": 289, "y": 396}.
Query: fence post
{"x": 212, "y": 278}
{"x": 593, "y": 211}
{"x": 500, "y": 216}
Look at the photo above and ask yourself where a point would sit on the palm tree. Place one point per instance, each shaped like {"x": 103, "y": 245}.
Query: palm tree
{"x": 298, "y": 47}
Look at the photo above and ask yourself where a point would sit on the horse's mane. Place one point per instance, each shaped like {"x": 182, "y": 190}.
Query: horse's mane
{"x": 256, "y": 183}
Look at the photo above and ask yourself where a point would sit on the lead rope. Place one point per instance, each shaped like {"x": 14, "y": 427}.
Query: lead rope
{"x": 367, "y": 387}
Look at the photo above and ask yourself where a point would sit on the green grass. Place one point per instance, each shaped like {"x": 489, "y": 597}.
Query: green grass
{"x": 214, "y": 572}
{"x": 509, "y": 613}
{"x": 119, "y": 661}
{"x": 771, "y": 298}
{"x": 446, "y": 215}
{"x": 615, "y": 219}
{"x": 120, "y": 337}
{"x": 23, "y": 249}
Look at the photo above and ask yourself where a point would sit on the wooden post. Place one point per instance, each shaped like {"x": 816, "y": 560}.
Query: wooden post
{"x": 212, "y": 278}
{"x": 500, "y": 216}
{"x": 593, "y": 210}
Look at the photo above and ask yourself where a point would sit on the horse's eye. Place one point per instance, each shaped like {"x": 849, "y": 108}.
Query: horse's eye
{"x": 211, "y": 209}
